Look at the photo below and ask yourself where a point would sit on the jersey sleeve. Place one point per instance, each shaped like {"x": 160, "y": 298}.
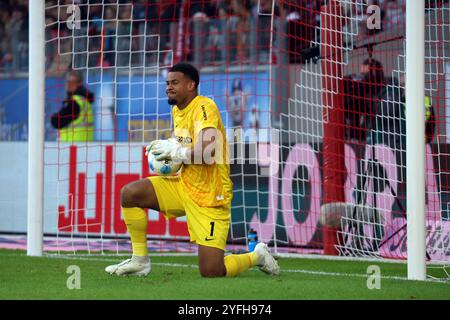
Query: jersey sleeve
{"x": 206, "y": 116}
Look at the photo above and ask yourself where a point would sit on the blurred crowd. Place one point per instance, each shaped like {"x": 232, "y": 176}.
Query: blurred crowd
{"x": 13, "y": 34}
{"x": 139, "y": 32}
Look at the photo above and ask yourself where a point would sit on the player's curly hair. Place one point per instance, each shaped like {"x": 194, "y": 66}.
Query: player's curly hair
{"x": 188, "y": 70}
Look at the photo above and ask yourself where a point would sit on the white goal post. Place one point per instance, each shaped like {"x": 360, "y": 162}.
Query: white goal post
{"x": 36, "y": 103}
{"x": 415, "y": 142}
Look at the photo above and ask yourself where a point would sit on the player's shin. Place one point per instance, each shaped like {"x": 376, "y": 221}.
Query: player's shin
{"x": 136, "y": 221}
{"x": 238, "y": 263}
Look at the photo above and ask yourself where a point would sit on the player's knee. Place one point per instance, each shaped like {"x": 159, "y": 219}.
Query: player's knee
{"x": 127, "y": 197}
{"x": 212, "y": 271}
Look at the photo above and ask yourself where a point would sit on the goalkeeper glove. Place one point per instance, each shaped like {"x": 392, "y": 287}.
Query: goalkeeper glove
{"x": 169, "y": 148}
{"x": 149, "y": 147}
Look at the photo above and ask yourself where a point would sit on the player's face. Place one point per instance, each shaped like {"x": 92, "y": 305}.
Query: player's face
{"x": 364, "y": 69}
{"x": 178, "y": 87}
{"x": 72, "y": 83}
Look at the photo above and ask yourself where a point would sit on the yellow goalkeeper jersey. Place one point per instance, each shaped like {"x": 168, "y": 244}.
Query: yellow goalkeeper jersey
{"x": 209, "y": 185}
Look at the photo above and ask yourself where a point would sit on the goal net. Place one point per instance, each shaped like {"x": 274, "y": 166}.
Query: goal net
{"x": 312, "y": 97}
{"x": 122, "y": 50}
{"x": 362, "y": 102}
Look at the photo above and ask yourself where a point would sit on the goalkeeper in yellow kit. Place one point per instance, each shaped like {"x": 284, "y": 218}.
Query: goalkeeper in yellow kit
{"x": 202, "y": 191}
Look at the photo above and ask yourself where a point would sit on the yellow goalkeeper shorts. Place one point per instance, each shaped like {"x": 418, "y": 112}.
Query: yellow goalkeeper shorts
{"x": 208, "y": 226}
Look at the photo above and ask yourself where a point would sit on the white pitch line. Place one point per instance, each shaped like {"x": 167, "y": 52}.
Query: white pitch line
{"x": 304, "y": 271}
{"x": 338, "y": 274}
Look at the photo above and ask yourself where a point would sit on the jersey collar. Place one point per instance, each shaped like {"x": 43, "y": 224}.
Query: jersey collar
{"x": 188, "y": 107}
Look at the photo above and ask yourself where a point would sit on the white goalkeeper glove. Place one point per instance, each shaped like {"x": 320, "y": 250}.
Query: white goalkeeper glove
{"x": 149, "y": 147}
{"x": 169, "y": 148}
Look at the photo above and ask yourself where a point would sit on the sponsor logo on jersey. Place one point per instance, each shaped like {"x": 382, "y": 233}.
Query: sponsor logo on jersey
{"x": 184, "y": 140}
{"x": 205, "y": 117}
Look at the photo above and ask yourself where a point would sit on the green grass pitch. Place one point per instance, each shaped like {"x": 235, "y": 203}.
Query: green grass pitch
{"x": 177, "y": 278}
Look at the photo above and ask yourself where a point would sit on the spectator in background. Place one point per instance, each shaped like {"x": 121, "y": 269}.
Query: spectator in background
{"x": 95, "y": 12}
{"x": 226, "y": 46}
{"x": 5, "y": 13}
{"x": 59, "y": 53}
{"x": 389, "y": 125}
{"x": 110, "y": 24}
{"x": 372, "y": 75}
{"x": 264, "y": 34}
{"x": 6, "y": 51}
{"x": 203, "y": 22}
{"x": 223, "y": 9}
{"x": 300, "y": 27}
{"x": 124, "y": 40}
{"x": 360, "y": 94}
{"x": 16, "y": 30}
{"x": 389, "y": 128}
{"x": 75, "y": 120}
{"x": 94, "y": 40}
{"x": 160, "y": 15}
{"x": 202, "y": 9}
{"x": 239, "y": 29}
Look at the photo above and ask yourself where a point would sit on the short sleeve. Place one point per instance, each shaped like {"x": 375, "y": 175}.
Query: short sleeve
{"x": 206, "y": 116}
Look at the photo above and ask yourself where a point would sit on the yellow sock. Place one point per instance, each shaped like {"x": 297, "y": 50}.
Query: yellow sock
{"x": 238, "y": 263}
{"x": 136, "y": 221}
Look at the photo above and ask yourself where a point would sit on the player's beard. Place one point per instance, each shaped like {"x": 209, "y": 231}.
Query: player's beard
{"x": 172, "y": 101}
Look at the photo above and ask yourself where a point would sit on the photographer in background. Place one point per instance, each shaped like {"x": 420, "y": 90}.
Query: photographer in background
{"x": 389, "y": 125}
{"x": 75, "y": 120}
{"x": 360, "y": 96}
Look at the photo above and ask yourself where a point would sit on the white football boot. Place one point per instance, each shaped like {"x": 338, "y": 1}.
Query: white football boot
{"x": 266, "y": 262}
{"x": 136, "y": 266}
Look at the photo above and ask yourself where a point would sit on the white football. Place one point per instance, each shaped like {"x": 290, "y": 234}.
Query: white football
{"x": 164, "y": 167}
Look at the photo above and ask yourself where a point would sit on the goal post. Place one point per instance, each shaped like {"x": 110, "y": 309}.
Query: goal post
{"x": 36, "y": 103}
{"x": 415, "y": 141}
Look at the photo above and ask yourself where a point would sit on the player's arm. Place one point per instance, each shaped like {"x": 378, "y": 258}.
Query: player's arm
{"x": 68, "y": 113}
{"x": 206, "y": 121}
{"x": 202, "y": 152}
{"x": 204, "y": 149}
